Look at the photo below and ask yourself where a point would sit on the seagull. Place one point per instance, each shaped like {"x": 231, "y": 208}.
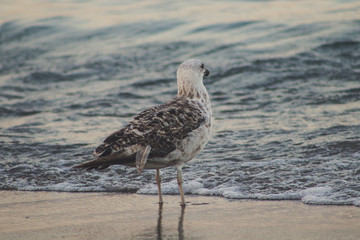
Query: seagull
{"x": 169, "y": 134}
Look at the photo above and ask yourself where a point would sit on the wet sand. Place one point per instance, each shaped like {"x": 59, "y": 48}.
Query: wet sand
{"x": 56, "y": 215}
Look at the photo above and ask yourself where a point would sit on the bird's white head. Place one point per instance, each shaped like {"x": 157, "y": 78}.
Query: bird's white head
{"x": 190, "y": 78}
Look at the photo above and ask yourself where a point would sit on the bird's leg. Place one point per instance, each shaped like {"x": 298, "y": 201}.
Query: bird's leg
{"x": 158, "y": 181}
{"x": 180, "y": 181}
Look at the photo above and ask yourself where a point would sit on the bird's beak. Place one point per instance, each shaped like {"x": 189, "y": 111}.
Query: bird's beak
{"x": 206, "y": 72}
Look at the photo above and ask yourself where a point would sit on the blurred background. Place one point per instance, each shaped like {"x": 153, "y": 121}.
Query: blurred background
{"x": 284, "y": 84}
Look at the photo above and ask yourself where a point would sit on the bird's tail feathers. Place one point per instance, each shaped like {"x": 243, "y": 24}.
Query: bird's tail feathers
{"x": 98, "y": 164}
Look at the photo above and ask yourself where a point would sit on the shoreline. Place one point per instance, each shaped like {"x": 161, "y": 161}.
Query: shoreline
{"x": 64, "y": 215}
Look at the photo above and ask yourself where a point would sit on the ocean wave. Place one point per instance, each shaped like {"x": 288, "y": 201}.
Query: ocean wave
{"x": 284, "y": 93}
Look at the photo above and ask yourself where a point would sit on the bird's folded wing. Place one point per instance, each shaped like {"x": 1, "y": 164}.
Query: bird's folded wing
{"x": 122, "y": 157}
{"x": 159, "y": 128}
{"x": 141, "y": 158}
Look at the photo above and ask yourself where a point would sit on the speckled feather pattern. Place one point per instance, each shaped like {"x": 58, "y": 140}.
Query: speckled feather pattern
{"x": 176, "y": 131}
{"x": 160, "y": 127}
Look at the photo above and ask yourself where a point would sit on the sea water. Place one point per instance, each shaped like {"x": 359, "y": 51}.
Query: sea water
{"x": 284, "y": 84}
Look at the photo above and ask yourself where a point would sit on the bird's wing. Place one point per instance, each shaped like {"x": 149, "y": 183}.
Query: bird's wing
{"x": 159, "y": 127}
{"x": 141, "y": 158}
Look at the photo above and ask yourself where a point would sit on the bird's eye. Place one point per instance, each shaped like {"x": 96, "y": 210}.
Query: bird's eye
{"x": 202, "y": 66}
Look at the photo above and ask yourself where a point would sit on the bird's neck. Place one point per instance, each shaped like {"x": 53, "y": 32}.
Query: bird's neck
{"x": 188, "y": 89}
{"x": 196, "y": 92}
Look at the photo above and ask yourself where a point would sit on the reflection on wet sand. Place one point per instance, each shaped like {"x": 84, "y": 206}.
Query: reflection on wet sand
{"x": 181, "y": 223}
{"x": 54, "y": 215}
{"x": 161, "y": 233}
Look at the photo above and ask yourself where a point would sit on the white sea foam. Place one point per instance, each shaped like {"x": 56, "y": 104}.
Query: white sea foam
{"x": 326, "y": 195}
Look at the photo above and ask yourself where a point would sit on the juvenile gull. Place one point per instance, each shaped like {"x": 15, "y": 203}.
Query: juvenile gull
{"x": 170, "y": 134}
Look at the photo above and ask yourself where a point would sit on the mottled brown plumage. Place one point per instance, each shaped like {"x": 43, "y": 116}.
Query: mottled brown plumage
{"x": 166, "y": 135}
{"x": 161, "y": 127}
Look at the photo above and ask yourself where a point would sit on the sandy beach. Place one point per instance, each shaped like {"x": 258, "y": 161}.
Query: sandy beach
{"x": 58, "y": 215}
